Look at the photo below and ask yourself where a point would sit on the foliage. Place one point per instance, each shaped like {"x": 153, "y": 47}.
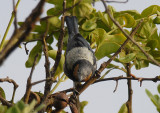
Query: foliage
{"x": 104, "y": 37}
{"x": 21, "y": 107}
{"x": 102, "y": 34}
{"x": 155, "y": 98}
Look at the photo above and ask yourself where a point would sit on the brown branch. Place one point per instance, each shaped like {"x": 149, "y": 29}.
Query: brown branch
{"x": 29, "y": 86}
{"x": 14, "y": 84}
{"x": 57, "y": 60}
{"x": 5, "y": 102}
{"x": 15, "y": 14}
{"x": 20, "y": 34}
{"x": 128, "y": 36}
{"x": 60, "y": 43}
{"x": 130, "y": 91}
{"x": 116, "y": 86}
{"x": 48, "y": 83}
{"x": 40, "y": 81}
{"x": 156, "y": 79}
{"x": 25, "y": 44}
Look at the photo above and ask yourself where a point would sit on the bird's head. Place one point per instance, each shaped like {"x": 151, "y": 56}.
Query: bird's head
{"x": 83, "y": 70}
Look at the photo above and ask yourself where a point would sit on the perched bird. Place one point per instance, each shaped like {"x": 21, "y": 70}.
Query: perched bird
{"x": 80, "y": 61}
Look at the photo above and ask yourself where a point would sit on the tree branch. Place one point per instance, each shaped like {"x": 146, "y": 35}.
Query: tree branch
{"x": 20, "y": 34}
{"x": 130, "y": 91}
{"x": 157, "y": 78}
{"x": 5, "y": 102}
{"x": 14, "y": 84}
{"x": 29, "y": 86}
{"x": 128, "y": 36}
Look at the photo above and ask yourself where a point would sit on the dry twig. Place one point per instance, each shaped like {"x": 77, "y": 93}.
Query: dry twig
{"x": 14, "y": 84}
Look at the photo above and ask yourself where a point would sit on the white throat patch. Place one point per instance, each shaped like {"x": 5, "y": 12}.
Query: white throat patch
{"x": 78, "y": 53}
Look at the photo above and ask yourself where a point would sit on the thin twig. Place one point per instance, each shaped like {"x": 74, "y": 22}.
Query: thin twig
{"x": 20, "y": 34}
{"x": 116, "y": 1}
{"x": 128, "y": 36}
{"x": 116, "y": 86}
{"x": 8, "y": 27}
{"x": 25, "y": 44}
{"x": 5, "y": 102}
{"x": 60, "y": 43}
{"x": 40, "y": 81}
{"x": 48, "y": 83}
{"x": 29, "y": 86}
{"x": 14, "y": 84}
{"x": 15, "y": 14}
{"x": 7, "y": 79}
{"x": 157, "y": 78}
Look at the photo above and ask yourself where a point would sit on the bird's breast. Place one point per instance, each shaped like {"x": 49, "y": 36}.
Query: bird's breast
{"x": 78, "y": 53}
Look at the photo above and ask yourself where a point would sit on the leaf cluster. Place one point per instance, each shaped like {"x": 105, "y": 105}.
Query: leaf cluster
{"x": 155, "y": 98}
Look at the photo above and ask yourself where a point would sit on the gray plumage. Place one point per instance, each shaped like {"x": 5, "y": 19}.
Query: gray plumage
{"x": 80, "y": 61}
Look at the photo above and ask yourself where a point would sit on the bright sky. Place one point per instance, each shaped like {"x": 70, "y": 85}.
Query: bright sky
{"x": 100, "y": 96}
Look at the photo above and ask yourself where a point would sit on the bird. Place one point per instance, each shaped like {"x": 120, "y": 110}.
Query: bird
{"x": 80, "y": 61}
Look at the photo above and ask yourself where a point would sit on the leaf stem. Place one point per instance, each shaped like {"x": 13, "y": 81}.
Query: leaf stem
{"x": 8, "y": 27}
{"x": 58, "y": 83}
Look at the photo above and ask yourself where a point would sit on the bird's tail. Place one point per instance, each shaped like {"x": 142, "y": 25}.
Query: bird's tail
{"x": 72, "y": 25}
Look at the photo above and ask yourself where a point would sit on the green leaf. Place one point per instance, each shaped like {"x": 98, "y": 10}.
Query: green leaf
{"x": 139, "y": 63}
{"x": 127, "y": 20}
{"x": 105, "y": 19}
{"x": 153, "y": 99}
{"x": 147, "y": 29}
{"x": 89, "y": 25}
{"x": 2, "y": 93}
{"x": 134, "y": 13}
{"x": 158, "y": 88}
{"x": 150, "y": 10}
{"x": 123, "y": 109}
{"x": 37, "y": 49}
{"x": 52, "y": 54}
{"x": 54, "y": 21}
{"x": 157, "y": 20}
{"x": 128, "y": 58}
{"x": 21, "y": 105}
{"x": 152, "y": 44}
{"x": 54, "y": 11}
{"x": 98, "y": 35}
{"x": 83, "y": 104}
{"x": 117, "y": 38}
{"x": 141, "y": 55}
{"x": 32, "y": 36}
{"x": 15, "y": 110}
{"x": 83, "y": 10}
{"x": 3, "y": 109}
{"x": 105, "y": 49}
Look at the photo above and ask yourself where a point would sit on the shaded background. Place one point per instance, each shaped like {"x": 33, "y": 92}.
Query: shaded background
{"x": 100, "y": 96}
